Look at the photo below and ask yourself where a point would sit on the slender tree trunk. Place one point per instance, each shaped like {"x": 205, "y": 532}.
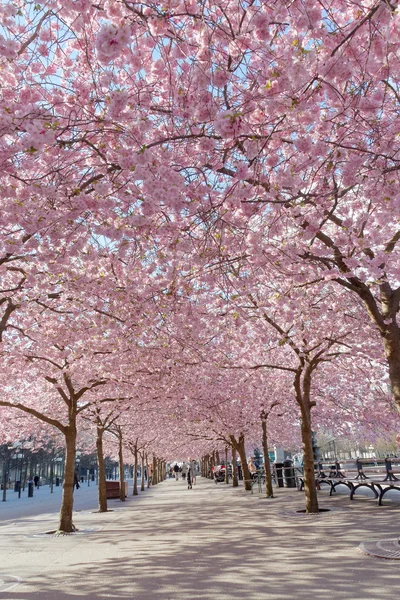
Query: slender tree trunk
{"x": 101, "y": 472}
{"x": 212, "y": 464}
{"x": 226, "y": 466}
{"x": 267, "y": 466}
{"x": 310, "y": 487}
{"x": 121, "y": 470}
{"x": 155, "y": 481}
{"x": 147, "y": 469}
{"x": 67, "y": 503}
{"x": 240, "y": 447}
{"x": 142, "y": 482}
{"x": 302, "y": 386}
{"x": 217, "y": 458}
{"x": 52, "y": 473}
{"x": 235, "y": 481}
{"x": 135, "y": 468}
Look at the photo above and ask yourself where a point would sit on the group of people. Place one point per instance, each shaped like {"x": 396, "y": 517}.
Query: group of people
{"x": 187, "y": 471}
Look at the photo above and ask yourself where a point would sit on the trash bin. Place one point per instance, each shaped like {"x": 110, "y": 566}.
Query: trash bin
{"x": 17, "y": 486}
{"x": 30, "y": 489}
{"x": 288, "y": 474}
{"x": 278, "y": 467}
{"x": 57, "y": 481}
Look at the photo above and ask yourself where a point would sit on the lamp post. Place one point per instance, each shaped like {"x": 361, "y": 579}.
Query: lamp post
{"x": 21, "y": 456}
{"x": 77, "y": 464}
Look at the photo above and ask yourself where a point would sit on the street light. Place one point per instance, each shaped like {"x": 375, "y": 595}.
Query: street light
{"x": 77, "y": 464}
{"x": 21, "y": 456}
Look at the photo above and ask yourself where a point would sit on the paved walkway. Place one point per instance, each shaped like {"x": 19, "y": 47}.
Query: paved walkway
{"x": 209, "y": 543}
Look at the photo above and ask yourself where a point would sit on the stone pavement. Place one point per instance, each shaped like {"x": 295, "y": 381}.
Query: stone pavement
{"x": 209, "y": 543}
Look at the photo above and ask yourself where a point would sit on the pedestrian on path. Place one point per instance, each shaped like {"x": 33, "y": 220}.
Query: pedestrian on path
{"x": 192, "y": 470}
{"x": 36, "y": 481}
{"x": 76, "y": 481}
{"x": 189, "y": 479}
{"x": 176, "y": 471}
{"x": 184, "y": 470}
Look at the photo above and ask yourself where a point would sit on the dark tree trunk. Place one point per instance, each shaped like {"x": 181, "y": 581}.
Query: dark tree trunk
{"x": 391, "y": 344}
{"x": 147, "y": 468}
{"x": 267, "y": 466}
{"x": 67, "y": 503}
{"x": 212, "y": 464}
{"x": 302, "y": 385}
{"x": 235, "y": 481}
{"x": 240, "y": 447}
{"x": 101, "y": 472}
{"x": 135, "y": 468}
{"x": 226, "y": 466}
{"x": 142, "y": 482}
{"x": 121, "y": 470}
{"x": 155, "y": 481}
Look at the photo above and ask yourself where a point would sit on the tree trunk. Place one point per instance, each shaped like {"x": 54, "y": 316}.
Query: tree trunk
{"x": 67, "y": 503}
{"x": 52, "y": 473}
{"x": 235, "y": 481}
{"x": 155, "y": 481}
{"x": 101, "y": 472}
{"x": 310, "y": 487}
{"x": 226, "y": 466}
{"x": 212, "y": 464}
{"x": 148, "y": 471}
{"x": 135, "y": 468}
{"x": 217, "y": 458}
{"x": 142, "y": 482}
{"x": 240, "y": 447}
{"x": 267, "y": 466}
{"x": 391, "y": 344}
{"x": 302, "y": 387}
{"x": 121, "y": 470}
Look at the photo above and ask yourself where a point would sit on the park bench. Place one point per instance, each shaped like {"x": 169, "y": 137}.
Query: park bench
{"x": 356, "y": 476}
{"x": 112, "y": 489}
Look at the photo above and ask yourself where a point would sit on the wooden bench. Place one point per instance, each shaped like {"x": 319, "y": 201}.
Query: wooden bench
{"x": 112, "y": 489}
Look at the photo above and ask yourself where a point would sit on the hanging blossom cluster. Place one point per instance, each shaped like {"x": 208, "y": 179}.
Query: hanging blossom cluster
{"x": 8, "y": 48}
{"x": 111, "y": 41}
{"x": 228, "y": 124}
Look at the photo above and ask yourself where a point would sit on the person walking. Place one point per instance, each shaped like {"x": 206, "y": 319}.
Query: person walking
{"x": 36, "y": 481}
{"x": 176, "y": 471}
{"x": 192, "y": 470}
{"x": 184, "y": 470}
{"x": 189, "y": 479}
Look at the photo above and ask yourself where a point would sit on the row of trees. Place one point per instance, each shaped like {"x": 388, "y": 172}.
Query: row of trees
{"x": 187, "y": 256}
